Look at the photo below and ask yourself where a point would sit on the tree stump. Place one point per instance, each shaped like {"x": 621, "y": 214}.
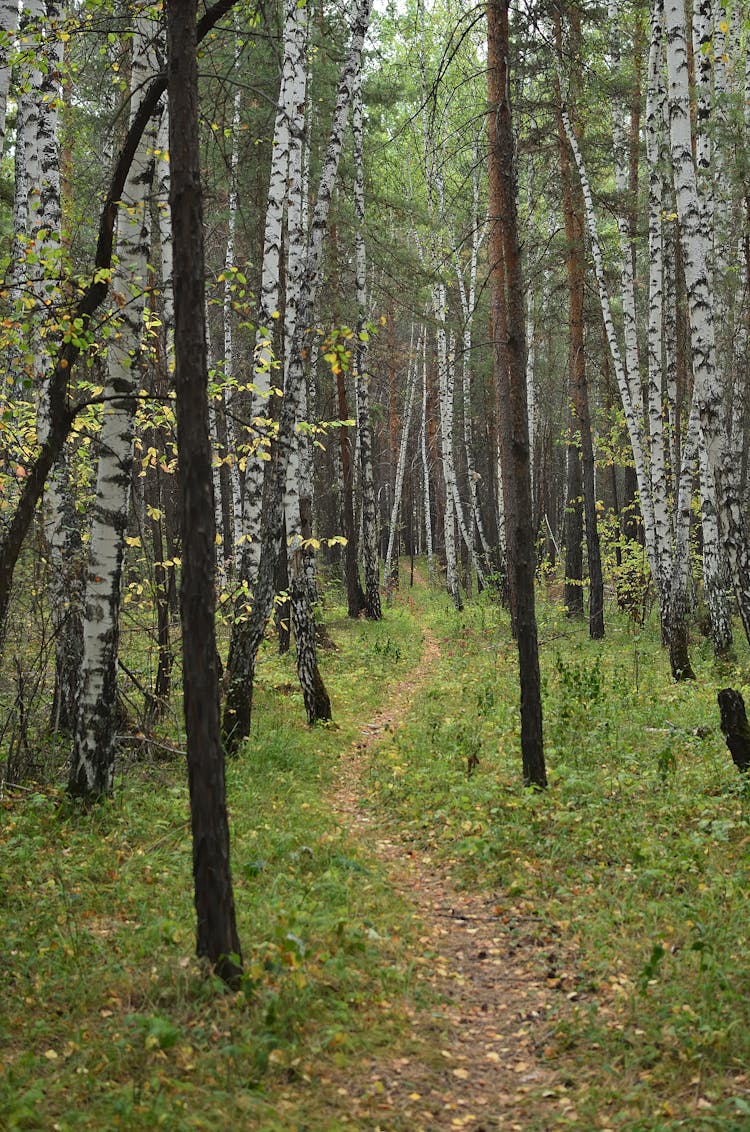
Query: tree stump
{"x": 735, "y": 727}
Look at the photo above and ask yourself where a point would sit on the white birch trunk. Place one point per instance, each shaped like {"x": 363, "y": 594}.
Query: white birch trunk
{"x": 8, "y": 29}
{"x": 445, "y": 400}
{"x": 468, "y": 303}
{"x": 426, "y": 467}
{"x": 632, "y": 411}
{"x": 92, "y": 763}
{"x": 695, "y": 254}
{"x": 298, "y": 497}
{"x": 293, "y": 72}
{"x": 373, "y": 608}
{"x": 230, "y": 393}
{"x": 411, "y": 385}
{"x": 656, "y": 159}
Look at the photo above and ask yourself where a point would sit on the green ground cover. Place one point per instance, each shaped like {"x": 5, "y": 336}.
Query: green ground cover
{"x": 636, "y": 859}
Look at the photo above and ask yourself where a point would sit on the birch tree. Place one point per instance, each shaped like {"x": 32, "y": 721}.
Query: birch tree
{"x": 93, "y": 757}
{"x": 695, "y": 256}
{"x": 247, "y": 635}
{"x": 369, "y": 514}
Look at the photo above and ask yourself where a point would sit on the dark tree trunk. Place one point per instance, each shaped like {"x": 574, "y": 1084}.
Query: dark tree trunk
{"x": 217, "y": 938}
{"x": 510, "y": 357}
{"x": 735, "y": 727}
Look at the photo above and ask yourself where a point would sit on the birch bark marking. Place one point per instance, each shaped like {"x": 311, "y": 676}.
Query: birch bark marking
{"x": 411, "y": 384}
{"x": 632, "y": 412}
{"x": 373, "y": 608}
{"x": 295, "y": 28}
{"x": 8, "y": 27}
{"x": 695, "y": 252}
{"x": 247, "y": 635}
{"x": 93, "y": 757}
{"x": 656, "y": 158}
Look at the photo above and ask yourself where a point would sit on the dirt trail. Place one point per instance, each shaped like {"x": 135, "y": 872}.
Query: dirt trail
{"x": 496, "y": 976}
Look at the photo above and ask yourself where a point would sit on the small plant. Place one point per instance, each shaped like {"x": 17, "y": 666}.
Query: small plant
{"x": 388, "y": 649}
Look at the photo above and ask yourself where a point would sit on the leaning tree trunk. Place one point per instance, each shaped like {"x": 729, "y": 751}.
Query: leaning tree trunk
{"x": 390, "y": 574}
{"x": 632, "y": 409}
{"x": 217, "y": 938}
{"x": 93, "y": 757}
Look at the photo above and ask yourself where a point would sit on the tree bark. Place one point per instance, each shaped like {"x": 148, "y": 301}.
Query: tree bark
{"x": 62, "y": 413}
{"x": 509, "y": 348}
{"x": 217, "y": 938}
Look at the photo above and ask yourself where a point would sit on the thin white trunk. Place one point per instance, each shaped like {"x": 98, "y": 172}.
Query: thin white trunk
{"x": 369, "y": 512}
{"x": 695, "y": 254}
{"x": 291, "y": 97}
{"x": 92, "y": 763}
{"x": 411, "y": 385}
{"x": 656, "y": 159}
{"x": 632, "y": 411}
{"x": 8, "y": 29}
{"x": 230, "y": 282}
{"x": 426, "y": 466}
{"x": 445, "y": 401}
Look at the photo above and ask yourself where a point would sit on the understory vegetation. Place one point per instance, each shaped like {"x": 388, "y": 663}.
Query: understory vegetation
{"x": 634, "y": 861}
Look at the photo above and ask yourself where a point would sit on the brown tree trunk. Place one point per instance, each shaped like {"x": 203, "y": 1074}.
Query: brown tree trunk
{"x": 509, "y": 350}
{"x": 217, "y": 938}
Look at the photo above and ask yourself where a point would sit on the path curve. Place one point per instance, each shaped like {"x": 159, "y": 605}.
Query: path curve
{"x": 496, "y": 976}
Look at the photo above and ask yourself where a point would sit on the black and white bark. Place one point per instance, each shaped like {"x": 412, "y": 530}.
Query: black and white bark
{"x": 373, "y": 608}
{"x": 695, "y": 257}
{"x": 248, "y": 634}
{"x": 93, "y": 756}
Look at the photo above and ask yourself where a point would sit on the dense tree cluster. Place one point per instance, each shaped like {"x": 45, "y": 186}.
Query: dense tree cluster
{"x": 475, "y": 288}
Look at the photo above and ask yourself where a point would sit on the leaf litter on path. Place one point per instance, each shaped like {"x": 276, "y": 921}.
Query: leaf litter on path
{"x": 481, "y": 1059}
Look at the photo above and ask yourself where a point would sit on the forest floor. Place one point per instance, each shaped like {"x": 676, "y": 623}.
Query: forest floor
{"x": 491, "y": 976}
{"x": 427, "y": 945}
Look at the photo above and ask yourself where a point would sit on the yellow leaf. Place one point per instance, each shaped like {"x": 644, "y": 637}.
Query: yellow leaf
{"x": 133, "y": 540}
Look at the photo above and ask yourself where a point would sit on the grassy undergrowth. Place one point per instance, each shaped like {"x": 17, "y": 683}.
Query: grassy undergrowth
{"x": 637, "y": 858}
{"x": 635, "y": 862}
{"x": 108, "y": 1022}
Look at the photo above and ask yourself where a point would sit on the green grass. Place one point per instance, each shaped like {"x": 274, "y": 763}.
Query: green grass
{"x": 636, "y": 858}
{"x": 108, "y": 1021}
{"x": 635, "y": 863}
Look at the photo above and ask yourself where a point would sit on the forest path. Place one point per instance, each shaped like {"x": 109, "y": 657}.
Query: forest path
{"x": 490, "y": 974}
